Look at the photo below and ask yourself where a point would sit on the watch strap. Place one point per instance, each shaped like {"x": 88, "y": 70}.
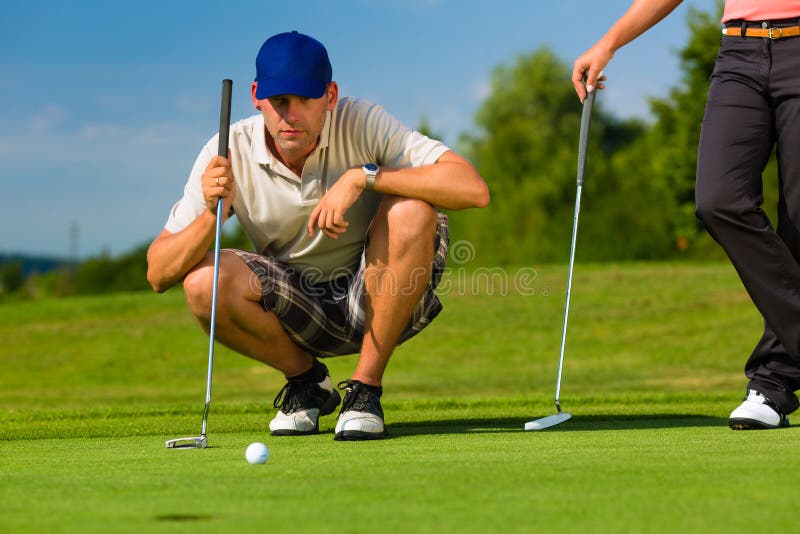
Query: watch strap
{"x": 370, "y": 175}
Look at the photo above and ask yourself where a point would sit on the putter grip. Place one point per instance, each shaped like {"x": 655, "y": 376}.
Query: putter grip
{"x": 225, "y": 117}
{"x": 583, "y": 142}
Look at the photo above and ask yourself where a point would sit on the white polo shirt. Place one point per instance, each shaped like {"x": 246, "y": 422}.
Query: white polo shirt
{"x": 273, "y": 204}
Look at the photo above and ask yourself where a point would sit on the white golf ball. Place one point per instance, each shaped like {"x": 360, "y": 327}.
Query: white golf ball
{"x": 257, "y": 453}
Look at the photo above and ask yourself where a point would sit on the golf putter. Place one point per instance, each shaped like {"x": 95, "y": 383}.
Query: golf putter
{"x": 201, "y": 441}
{"x": 586, "y": 120}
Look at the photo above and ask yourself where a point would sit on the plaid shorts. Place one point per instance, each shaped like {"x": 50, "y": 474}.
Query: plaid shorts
{"x": 327, "y": 319}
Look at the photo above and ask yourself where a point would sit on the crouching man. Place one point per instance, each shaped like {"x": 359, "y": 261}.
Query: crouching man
{"x": 339, "y": 201}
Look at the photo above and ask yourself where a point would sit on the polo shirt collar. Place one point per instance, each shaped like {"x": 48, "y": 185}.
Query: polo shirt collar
{"x": 261, "y": 153}
{"x": 325, "y": 133}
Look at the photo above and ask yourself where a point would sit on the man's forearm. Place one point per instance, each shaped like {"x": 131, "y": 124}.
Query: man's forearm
{"x": 171, "y": 256}
{"x": 450, "y": 183}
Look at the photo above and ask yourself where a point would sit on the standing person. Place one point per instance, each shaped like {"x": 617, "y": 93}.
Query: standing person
{"x": 337, "y": 198}
{"x": 753, "y": 105}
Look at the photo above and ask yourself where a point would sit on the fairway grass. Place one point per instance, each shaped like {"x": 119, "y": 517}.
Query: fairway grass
{"x": 92, "y": 387}
{"x": 447, "y": 467}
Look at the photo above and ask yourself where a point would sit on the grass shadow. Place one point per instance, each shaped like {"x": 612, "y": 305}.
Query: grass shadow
{"x": 581, "y": 423}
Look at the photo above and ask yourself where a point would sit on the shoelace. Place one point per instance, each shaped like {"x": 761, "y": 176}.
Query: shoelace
{"x": 357, "y": 397}
{"x": 291, "y": 397}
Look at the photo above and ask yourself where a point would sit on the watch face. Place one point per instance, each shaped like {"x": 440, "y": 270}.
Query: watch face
{"x": 371, "y": 167}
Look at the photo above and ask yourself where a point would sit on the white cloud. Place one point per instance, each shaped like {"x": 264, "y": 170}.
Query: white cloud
{"x": 93, "y": 132}
{"x": 49, "y": 138}
{"x": 47, "y": 119}
{"x": 117, "y": 181}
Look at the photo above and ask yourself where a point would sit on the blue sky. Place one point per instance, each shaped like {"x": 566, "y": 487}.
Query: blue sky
{"x": 106, "y": 104}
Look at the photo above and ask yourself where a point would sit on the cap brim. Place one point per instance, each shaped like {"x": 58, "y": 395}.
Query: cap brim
{"x": 270, "y": 87}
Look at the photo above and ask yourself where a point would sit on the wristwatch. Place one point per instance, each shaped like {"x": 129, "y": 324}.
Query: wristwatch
{"x": 371, "y": 171}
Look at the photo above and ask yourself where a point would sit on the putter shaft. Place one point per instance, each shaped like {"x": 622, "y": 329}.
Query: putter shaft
{"x": 569, "y": 294}
{"x": 201, "y": 442}
{"x": 586, "y": 119}
{"x": 212, "y": 331}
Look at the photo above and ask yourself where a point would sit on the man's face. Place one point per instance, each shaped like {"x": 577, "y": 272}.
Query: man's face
{"x": 294, "y": 122}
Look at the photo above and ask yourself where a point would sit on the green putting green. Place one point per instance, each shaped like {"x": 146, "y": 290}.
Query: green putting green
{"x": 92, "y": 387}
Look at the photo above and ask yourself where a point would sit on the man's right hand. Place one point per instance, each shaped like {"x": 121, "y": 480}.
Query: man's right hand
{"x": 218, "y": 182}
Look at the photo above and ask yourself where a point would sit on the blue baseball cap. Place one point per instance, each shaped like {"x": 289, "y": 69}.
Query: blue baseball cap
{"x": 292, "y": 64}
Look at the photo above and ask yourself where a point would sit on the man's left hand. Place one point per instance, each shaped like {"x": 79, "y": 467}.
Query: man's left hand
{"x": 328, "y": 216}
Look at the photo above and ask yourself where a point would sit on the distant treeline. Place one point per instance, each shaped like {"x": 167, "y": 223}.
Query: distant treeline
{"x": 638, "y": 199}
{"x": 25, "y": 278}
{"x": 27, "y": 265}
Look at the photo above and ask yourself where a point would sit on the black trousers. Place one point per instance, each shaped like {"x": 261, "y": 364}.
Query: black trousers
{"x": 754, "y": 104}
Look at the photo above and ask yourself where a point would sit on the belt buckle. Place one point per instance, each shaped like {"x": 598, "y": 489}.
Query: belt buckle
{"x": 773, "y": 36}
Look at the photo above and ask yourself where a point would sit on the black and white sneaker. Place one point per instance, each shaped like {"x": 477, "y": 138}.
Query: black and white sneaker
{"x": 301, "y": 404}
{"x": 757, "y": 412}
{"x": 361, "y": 416}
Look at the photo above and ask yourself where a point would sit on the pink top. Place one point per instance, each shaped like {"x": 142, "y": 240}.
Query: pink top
{"x": 760, "y": 9}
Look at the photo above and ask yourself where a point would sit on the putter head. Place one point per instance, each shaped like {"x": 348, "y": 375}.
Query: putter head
{"x": 198, "y": 442}
{"x": 547, "y": 422}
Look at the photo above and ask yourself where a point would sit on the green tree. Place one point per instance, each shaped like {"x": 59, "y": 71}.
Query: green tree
{"x": 11, "y": 277}
{"x": 526, "y": 149}
{"x": 674, "y": 137}
{"x": 104, "y": 274}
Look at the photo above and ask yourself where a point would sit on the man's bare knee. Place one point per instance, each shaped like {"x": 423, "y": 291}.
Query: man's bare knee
{"x": 197, "y": 286}
{"x": 236, "y": 282}
{"x": 407, "y": 219}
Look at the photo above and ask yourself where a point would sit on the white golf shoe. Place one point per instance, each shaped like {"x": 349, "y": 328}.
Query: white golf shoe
{"x": 300, "y": 406}
{"x": 361, "y": 416}
{"x": 756, "y": 412}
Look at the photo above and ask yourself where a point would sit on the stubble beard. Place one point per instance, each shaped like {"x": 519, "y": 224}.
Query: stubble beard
{"x": 302, "y": 146}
